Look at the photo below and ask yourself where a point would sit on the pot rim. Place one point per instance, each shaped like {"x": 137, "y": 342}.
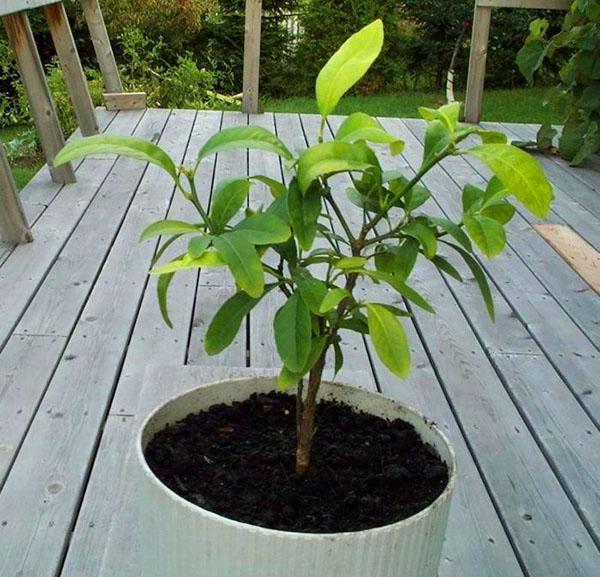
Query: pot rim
{"x": 180, "y": 501}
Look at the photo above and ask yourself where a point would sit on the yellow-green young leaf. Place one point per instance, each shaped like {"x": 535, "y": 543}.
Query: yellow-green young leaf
{"x": 249, "y": 137}
{"x": 437, "y": 138}
{"x": 389, "y": 339}
{"x": 361, "y": 126}
{"x": 520, "y": 173}
{"x": 228, "y": 198}
{"x": 487, "y": 233}
{"x": 292, "y": 326}
{"x": 348, "y": 65}
{"x": 331, "y": 158}
{"x": 198, "y": 245}
{"x": 162, "y": 288}
{"x": 448, "y": 114}
{"x": 263, "y": 228}
{"x": 276, "y": 187}
{"x": 129, "y": 146}
{"x": 332, "y": 299}
{"x": 225, "y": 325}
{"x": 208, "y": 259}
{"x": 170, "y": 227}
{"x": 351, "y": 262}
{"x": 243, "y": 262}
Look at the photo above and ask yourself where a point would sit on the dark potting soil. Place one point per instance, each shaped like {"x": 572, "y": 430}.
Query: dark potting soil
{"x": 238, "y": 461}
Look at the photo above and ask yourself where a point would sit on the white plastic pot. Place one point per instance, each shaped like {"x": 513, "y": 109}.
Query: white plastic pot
{"x": 180, "y": 539}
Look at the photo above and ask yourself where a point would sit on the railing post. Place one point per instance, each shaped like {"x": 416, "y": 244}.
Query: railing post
{"x": 13, "y": 223}
{"x": 43, "y": 110}
{"x": 252, "y": 34}
{"x": 102, "y": 46}
{"x": 59, "y": 27}
{"x": 477, "y": 60}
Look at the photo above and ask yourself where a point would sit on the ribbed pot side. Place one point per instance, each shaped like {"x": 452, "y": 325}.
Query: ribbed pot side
{"x": 180, "y": 539}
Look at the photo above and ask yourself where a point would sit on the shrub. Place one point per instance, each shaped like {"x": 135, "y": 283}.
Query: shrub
{"x": 579, "y": 89}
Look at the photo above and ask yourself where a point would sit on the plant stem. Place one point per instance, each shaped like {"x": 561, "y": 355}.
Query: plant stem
{"x": 193, "y": 197}
{"x": 340, "y": 216}
{"x": 307, "y": 421}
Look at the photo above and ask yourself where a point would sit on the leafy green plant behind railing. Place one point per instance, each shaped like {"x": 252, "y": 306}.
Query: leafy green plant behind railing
{"x": 579, "y": 89}
{"x": 273, "y": 247}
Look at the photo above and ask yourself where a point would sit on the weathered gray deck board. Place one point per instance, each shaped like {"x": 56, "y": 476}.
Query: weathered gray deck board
{"x": 74, "y": 383}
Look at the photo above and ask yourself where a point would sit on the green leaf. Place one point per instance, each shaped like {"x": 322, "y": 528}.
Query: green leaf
{"x": 332, "y": 299}
{"x": 472, "y": 198}
{"x": 487, "y": 233}
{"x": 243, "y": 262}
{"x": 480, "y": 278}
{"x": 520, "y": 173}
{"x": 351, "y": 262}
{"x": 289, "y": 378}
{"x": 331, "y": 158}
{"x": 264, "y": 228}
{"x": 415, "y": 197}
{"x": 338, "y": 358}
{"x": 276, "y": 187}
{"x": 248, "y": 137}
{"x": 501, "y": 211}
{"x": 130, "y": 146}
{"x": 361, "y": 126}
{"x": 437, "y": 137}
{"x": 453, "y": 230}
{"x": 424, "y": 235}
{"x": 531, "y": 56}
{"x": 348, "y": 65}
{"x": 209, "y": 258}
{"x": 226, "y": 323}
{"x": 443, "y": 264}
{"x": 170, "y": 227}
{"x": 389, "y": 340}
{"x": 198, "y": 245}
{"x": 293, "y": 333}
{"x": 304, "y": 211}
{"x": 311, "y": 290}
{"x": 409, "y": 293}
{"x": 447, "y": 114}
{"x": 228, "y": 198}
{"x": 162, "y": 288}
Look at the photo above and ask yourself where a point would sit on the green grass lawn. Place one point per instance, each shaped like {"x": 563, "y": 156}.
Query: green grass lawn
{"x": 517, "y": 105}
{"x": 23, "y": 168}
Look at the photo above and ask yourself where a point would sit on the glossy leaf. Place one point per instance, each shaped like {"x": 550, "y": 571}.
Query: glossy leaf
{"x": 209, "y": 258}
{"x": 129, "y": 146}
{"x": 293, "y": 333}
{"x": 243, "y": 262}
{"x": 445, "y": 266}
{"x": 437, "y": 138}
{"x": 244, "y": 137}
{"x": 332, "y": 299}
{"x": 162, "y": 288}
{"x": 228, "y": 198}
{"x": 360, "y": 126}
{"x": 276, "y": 187}
{"x": 453, "y": 230}
{"x": 520, "y": 173}
{"x": 487, "y": 233}
{"x": 168, "y": 227}
{"x": 389, "y": 339}
{"x": 448, "y": 114}
{"x": 226, "y": 323}
{"x": 331, "y": 158}
{"x": 311, "y": 290}
{"x": 263, "y": 228}
{"x": 348, "y": 65}
{"x": 351, "y": 262}
{"x": 198, "y": 245}
{"x": 288, "y": 378}
{"x": 424, "y": 235}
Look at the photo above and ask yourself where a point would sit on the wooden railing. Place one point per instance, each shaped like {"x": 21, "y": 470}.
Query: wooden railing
{"x": 13, "y": 225}
{"x": 479, "y": 44}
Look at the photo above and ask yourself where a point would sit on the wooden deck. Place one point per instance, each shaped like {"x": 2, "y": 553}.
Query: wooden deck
{"x": 84, "y": 355}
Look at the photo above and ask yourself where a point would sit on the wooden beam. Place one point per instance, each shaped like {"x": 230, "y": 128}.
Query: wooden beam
{"x": 13, "y": 224}
{"x": 532, "y": 4}
{"x": 58, "y": 24}
{"x": 479, "y": 42}
{"x": 42, "y": 106}
{"x": 252, "y": 55}
{"x": 125, "y": 101}
{"x": 102, "y": 46}
{"x": 12, "y": 6}
{"x": 582, "y": 257}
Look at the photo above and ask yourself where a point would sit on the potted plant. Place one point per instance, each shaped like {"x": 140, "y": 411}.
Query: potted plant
{"x": 236, "y": 479}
